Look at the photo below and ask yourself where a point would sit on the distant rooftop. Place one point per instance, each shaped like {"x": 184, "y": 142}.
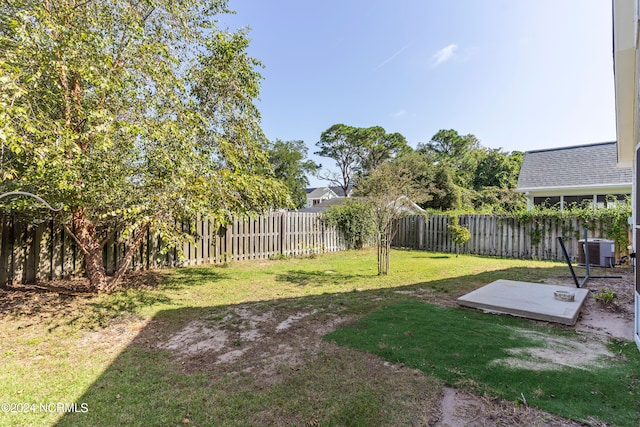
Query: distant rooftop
{"x": 335, "y": 188}
{"x": 325, "y": 204}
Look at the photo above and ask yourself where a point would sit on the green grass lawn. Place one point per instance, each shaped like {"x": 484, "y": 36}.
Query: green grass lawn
{"x": 506, "y": 357}
{"x": 107, "y": 350}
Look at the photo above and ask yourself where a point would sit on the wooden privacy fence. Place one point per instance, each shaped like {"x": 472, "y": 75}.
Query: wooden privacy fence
{"x": 31, "y": 252}
{"x": 495, "y": 235}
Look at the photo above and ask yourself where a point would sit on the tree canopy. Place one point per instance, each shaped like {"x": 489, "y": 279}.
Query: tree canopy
{"x": 131, "y": 115}
{"x": 357, "y": 151}
{"x": 467, "y": 175}
{"x": 290, "y": 165}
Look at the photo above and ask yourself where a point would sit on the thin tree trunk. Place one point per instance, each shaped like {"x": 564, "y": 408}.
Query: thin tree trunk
{"x": 380, "y": 244}
{"x": 384, "y": 249}
{"x": 128, "y": 257}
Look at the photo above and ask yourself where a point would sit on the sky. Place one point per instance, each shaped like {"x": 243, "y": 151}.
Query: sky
{"x": 519, "y": 75}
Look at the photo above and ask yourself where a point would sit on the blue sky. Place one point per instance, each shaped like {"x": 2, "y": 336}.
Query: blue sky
{"x": 520, "y": 75}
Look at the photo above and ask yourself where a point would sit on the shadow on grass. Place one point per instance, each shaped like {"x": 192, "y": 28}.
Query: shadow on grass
{"x": 318, "y": 278}
{"x": 139, "y": 289}
{"x": 189, "y": 276}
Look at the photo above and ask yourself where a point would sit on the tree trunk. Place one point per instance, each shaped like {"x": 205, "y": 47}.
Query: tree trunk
{"x": 384, "y": 252}
{"x": 128, "y": 257}
{"x": 387, "y": 257}
{"x": 85, "y": 235}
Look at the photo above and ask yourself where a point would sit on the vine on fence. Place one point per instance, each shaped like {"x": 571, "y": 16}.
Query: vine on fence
{"x": 612, "y": 222}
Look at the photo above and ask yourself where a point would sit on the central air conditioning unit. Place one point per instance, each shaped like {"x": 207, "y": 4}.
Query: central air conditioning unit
{"x": 601, "y": 252}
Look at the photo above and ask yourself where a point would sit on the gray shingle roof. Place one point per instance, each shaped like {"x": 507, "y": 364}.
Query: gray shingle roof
{"x": 578, "y": 166}
{"x": 339, "y": 190}
{"x": 317, "y": 193}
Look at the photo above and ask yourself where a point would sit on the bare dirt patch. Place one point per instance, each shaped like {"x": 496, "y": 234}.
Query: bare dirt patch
{"x": 555, "y": 353}
{"x": 281, "y": 345}
{"x": 246, "y": 338}
{"x": 614, "y": 319}
{"x": 461, "y": 408}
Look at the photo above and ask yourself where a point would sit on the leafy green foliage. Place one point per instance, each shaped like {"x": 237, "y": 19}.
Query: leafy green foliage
{"x": 496, "y": 168}
{"x": 459, "y": 233}
{"x": 456, "y": 151}
{"x": 339, "y": 143}
{"x": 289, "y": 165}
{"x": 605, "y": 296}
{"x": 498, "y": 200}
{"x": 354, "y": 219}
{"x": 392, "y": 191}
{"x": 357, "y": 151}
{"x": 131, "y": 115}
{"x": 470, "y": 176}
{"x": 613, "y": 221}
{"x": 379, "y": 147}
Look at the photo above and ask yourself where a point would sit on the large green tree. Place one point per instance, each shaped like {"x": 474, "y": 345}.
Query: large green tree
{"x": 468, "y": 175}
{"x": 132, "y": 115}
{"x": 457, "y": 151}
{"x": 340, "y": 143}
{"x": 379, "y": 147}
{"x": 291, "y": 166}
{"x": 357, "y": 151}
{"x": 497, "y": 168}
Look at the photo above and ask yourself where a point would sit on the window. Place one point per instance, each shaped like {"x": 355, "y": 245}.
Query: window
{"x": 547, "y": 202}
{"x": 611, "y": 199}
{"x": 577, "y": 201}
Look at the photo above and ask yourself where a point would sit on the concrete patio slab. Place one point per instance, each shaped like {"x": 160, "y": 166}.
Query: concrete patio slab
{"x": 530, "y": 300}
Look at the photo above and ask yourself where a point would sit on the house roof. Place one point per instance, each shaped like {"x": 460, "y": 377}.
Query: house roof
{"x": 581, "y": 166}
{"x": 403, "y": 203}
{"x": 339, "y": 191}
{"x": 317, "y": 193}
{"x": 325, "y": 204}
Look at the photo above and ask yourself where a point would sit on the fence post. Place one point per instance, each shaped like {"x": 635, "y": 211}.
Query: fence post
{"x": 283, "y": 235}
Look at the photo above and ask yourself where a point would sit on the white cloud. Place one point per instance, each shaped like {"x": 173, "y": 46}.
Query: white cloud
{"x": 444, "y": 54}
{"x": 399, "y": 113}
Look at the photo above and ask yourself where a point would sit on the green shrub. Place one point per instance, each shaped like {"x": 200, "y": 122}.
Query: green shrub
{"x": 459, "y": 233}
{"x": 354, "y": 219}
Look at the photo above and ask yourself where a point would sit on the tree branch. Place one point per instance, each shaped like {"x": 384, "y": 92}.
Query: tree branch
{"x": 141, "y": 233}
{"x": 73, "y": 236}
